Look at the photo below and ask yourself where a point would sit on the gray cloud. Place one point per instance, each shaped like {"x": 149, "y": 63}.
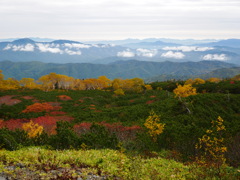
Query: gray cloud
{"x": 104, "y": 19}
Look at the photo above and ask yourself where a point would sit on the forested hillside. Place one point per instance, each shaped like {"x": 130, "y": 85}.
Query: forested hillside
{"x": 124, "y": 69}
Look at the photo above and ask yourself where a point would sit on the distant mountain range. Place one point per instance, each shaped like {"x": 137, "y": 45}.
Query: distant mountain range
{"x": 234, "y": 43}
{"x": 152, "y": 59}
{"x": 66, "y": 51}
{"x": 119, "y": 69}
{"x": 166, "y": 40}
{"x": 38, "y": 39}
{"x": 58, "y": 51}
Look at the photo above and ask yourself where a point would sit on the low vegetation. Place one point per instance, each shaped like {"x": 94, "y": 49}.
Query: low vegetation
{"x": 121, "y": 129}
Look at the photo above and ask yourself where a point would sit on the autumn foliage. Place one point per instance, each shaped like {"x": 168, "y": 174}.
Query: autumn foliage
{"x": 153, "y": 125}
{"x": 119, "y": 92}
{"x": 64, "y": 97}
{"x": 122, "y": 132}
{"x": 184, "y": 91}
{"x": 212, "y": 145}
{"x": 39, "y": 107}
{"x": 33, "y": 129}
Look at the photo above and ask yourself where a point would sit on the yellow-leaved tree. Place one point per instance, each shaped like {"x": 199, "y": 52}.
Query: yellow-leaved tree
{"x": 214, "y": 80}
{"x": 153, "y": 125}
{"x": 1, "y": 75}
{"x": 195, "y": 81}
{"x": 135, "y": 84}
{"x": 211, "y": 145}
{"x": 184, "y": 91}
{"x": 9, "y": 84}
{"x": 28, "y": 83}
{"x": 236, "y": 78}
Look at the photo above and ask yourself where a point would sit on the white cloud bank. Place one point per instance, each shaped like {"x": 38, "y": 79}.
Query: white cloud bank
{"x": 146, "y": 52}
{"x": 68, "y": 48}
{"x": 219, "y": 57}
{"x": 70, "y": 52}
{"x": 77, "y": 46}
{"x": 27, "y": 47}
{"x": 175, "y": 55}
{"x": 187, "y": 48}
{"x": 73, "y": 49}
{"x": 125, "y": 54}
{"x": 48, "y": 48}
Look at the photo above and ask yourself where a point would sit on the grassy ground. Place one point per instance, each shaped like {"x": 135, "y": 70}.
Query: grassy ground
{"x": 41, "y": 163}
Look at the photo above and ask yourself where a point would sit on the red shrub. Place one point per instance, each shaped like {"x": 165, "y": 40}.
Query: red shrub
{"x": 13, "y": 124}
{"x": 55, "y": 113}
{"x": 64, "y": 97}
{"x": 82, "y": 128}
{"x": 81, "y": 100}
{"x": 48, "y": 123}
{"x": 121, "y": 131}
{"x": 98, "y": 111}
{"x": 8, "y": 100}
{"x": 39, "y": 107}
{"x": 150, "y": 102}
{"x": 27, "y": 97}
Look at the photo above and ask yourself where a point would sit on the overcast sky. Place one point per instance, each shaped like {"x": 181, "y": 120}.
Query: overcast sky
{"x": 120, "y": 19}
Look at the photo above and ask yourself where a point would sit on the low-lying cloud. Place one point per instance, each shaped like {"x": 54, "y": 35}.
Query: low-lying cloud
{"x": 66, "y": 48}
{"x": 146, "y": 52}
{"x": 48, "y": 48}
{"x": 55, "y": 48}
{"x": 125, "y": 54}
{"x": 27, "y": 47}
{"x": 175, "y": 55}
{"x": 187, "y": 48}
{"x": 76, "y": 45}
{"x": 70, "y": 52}
{"x": 219, "y": 57}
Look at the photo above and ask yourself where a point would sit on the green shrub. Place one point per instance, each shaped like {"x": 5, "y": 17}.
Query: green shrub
{"x": 65, "y": 138}
{"x": 99, "y": 137}
{"x": 7, "y": 141}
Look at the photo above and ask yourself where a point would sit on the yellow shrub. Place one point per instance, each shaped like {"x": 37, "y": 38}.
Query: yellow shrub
{"x": 33, "y": 129}
{"x": 215, "y": 80}
{"x": 198, "y": 81}
{"x": 148, "y": 87}
{"x": 119, "y": 92}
